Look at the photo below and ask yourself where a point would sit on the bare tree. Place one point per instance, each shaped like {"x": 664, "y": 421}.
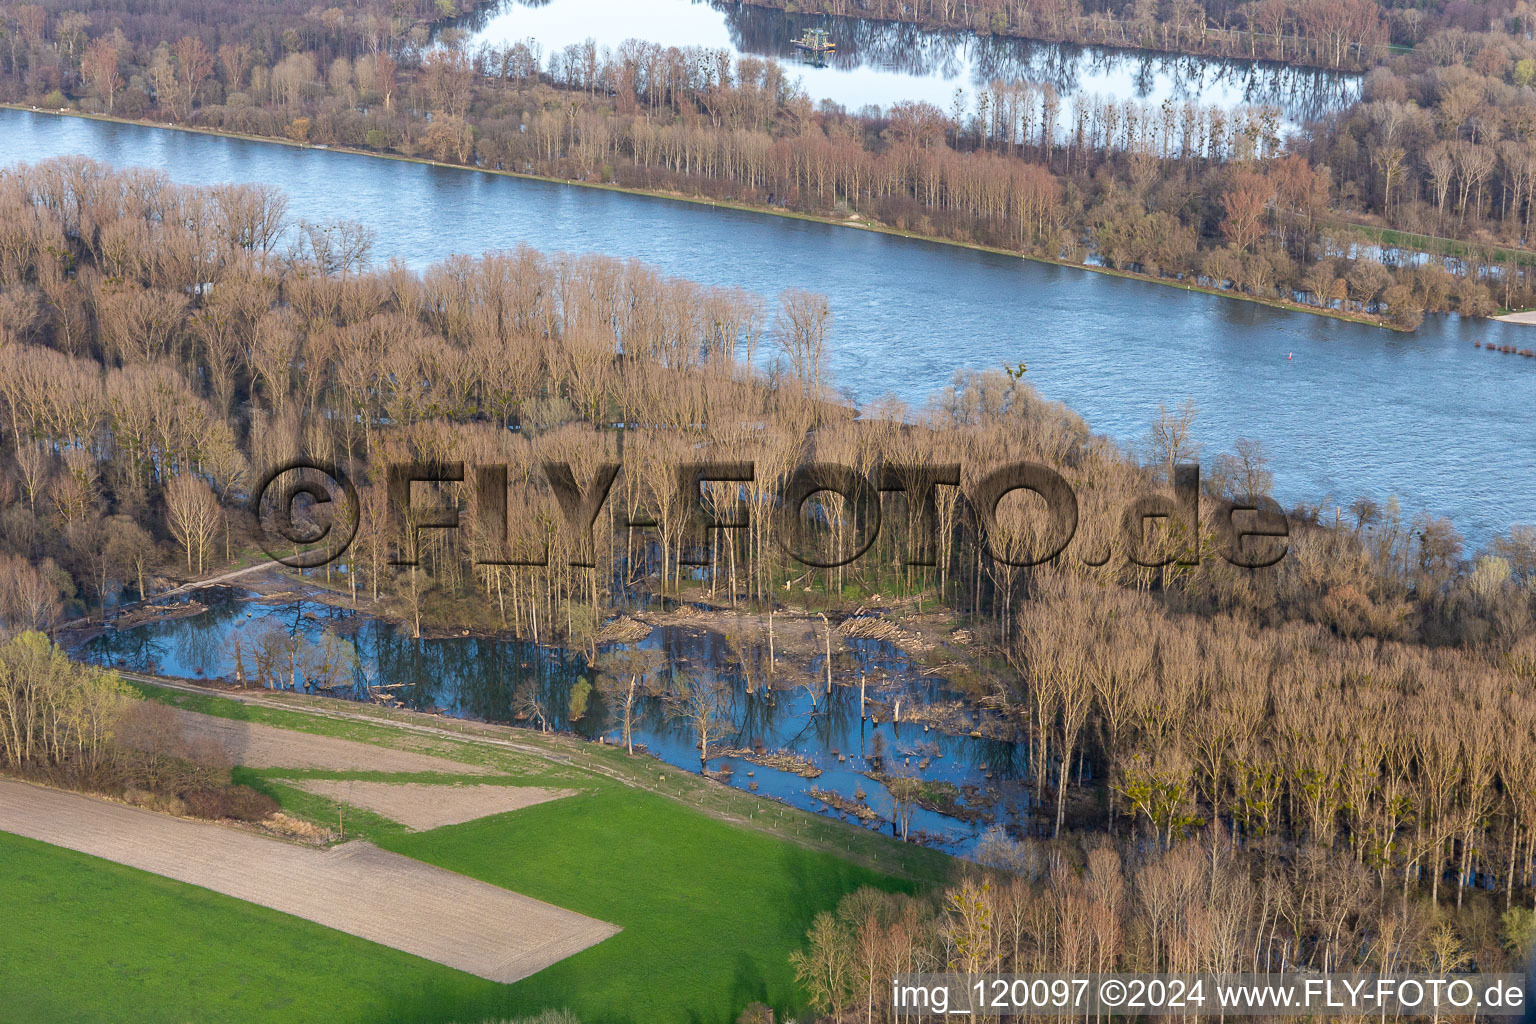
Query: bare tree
{"x": 800, "y": 331}
{"x": 1171, "y": 437}
{"x": 904, "y": 792}
{"x": 528, "y": 701}
{"x": 703, "y": 704}
{"x": 193, "y": 516}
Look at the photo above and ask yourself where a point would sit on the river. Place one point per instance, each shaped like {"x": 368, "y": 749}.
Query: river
{"x": 880, "y": 62}
{"x": 1343, "y": 409}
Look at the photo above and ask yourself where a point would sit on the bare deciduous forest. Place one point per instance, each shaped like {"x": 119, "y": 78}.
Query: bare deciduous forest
{"x": 1415, "y": 199}
{"x": 1328, "y": 761}
{"x": 1325, "y": 763}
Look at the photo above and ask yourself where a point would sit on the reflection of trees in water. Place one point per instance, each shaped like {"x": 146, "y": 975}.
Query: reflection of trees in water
{"x": 835, "y": 719}
{"x": 202, "y": 645}
{"x": 891, "y": 46}
{"x": 1003, "y": 759}
{"x": 475, "y": 677}
{"x": 974, "y": 61}
{"x": 1302, "y": 93}
{"x": 478, "y": 678}
{"x": 476, "y": 19}
{"x": 197, "y": 642}
{"x": 756, "y": 715}
{"x": 133, "y": 649}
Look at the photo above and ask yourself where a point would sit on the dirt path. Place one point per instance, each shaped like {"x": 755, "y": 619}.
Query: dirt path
{"x": 354, "y": 888}
{"x": 420, "y": 807}
{"x": 214, "y": 581}
{"x": 266, "y": 746}
{"x": 1528, "y": 317}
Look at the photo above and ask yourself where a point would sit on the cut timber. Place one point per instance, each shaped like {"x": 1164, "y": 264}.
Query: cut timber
{"x": 266, "y": 746}
{"x": 354, "y": 888}
{"x": 421, "y": 807}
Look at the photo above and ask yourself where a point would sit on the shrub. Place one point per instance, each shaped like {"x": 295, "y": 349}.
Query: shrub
{"x": 247, "y": 804}
{"x": 207, "y": 803}
{"x": 756, "y": 1013}
{"x": 133, "y": 102}
{"x": 238, "y": 802}
{"x": 168, "y": 803}
{"x": 153, "y": 753}
{"x": 580, "y": 692}
{"x": 1519, "y": 925}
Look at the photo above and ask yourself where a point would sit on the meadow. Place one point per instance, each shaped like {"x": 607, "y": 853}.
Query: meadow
{"x": 710, "y": 909}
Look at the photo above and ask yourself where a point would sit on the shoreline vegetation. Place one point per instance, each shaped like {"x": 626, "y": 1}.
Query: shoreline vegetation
{"x": 847, "y": 222}
{"x": 165, "y": 348}
{"x": 700, "y": 793}
{"x": 1196, "y": 196}
{"x": 621, "y": 819}
{"x": 1340, "y": 36}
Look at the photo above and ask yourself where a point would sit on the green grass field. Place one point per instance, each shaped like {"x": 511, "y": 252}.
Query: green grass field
{"x": 88, "y": 940}
{"x": 710, "y": 912}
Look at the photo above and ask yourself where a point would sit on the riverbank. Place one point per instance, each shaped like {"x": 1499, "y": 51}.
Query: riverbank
{"x": 398, "y": 727}
{"x": 855, "y": 221}
{"x": 649, "y": 851}
{"x": 920, "y": 695}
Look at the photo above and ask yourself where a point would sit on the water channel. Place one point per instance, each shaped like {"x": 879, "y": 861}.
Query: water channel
{"x": 1343, "y": 409}
{"x": 878, "y": 63}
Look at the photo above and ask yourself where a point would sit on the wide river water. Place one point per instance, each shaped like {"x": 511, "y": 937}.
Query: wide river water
{"x": 880, "y": 62}
{"x": 1343, "y": 409}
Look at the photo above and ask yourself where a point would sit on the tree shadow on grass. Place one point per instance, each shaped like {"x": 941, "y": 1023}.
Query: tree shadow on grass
{"x": 438, "y": 1002}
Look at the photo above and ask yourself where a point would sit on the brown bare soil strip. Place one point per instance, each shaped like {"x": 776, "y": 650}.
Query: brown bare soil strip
{"x": 801, "y": 828}
{"x": 421, "y": 807}
{"x": 266, "y": 746}
{"x": 354, "y": 888}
